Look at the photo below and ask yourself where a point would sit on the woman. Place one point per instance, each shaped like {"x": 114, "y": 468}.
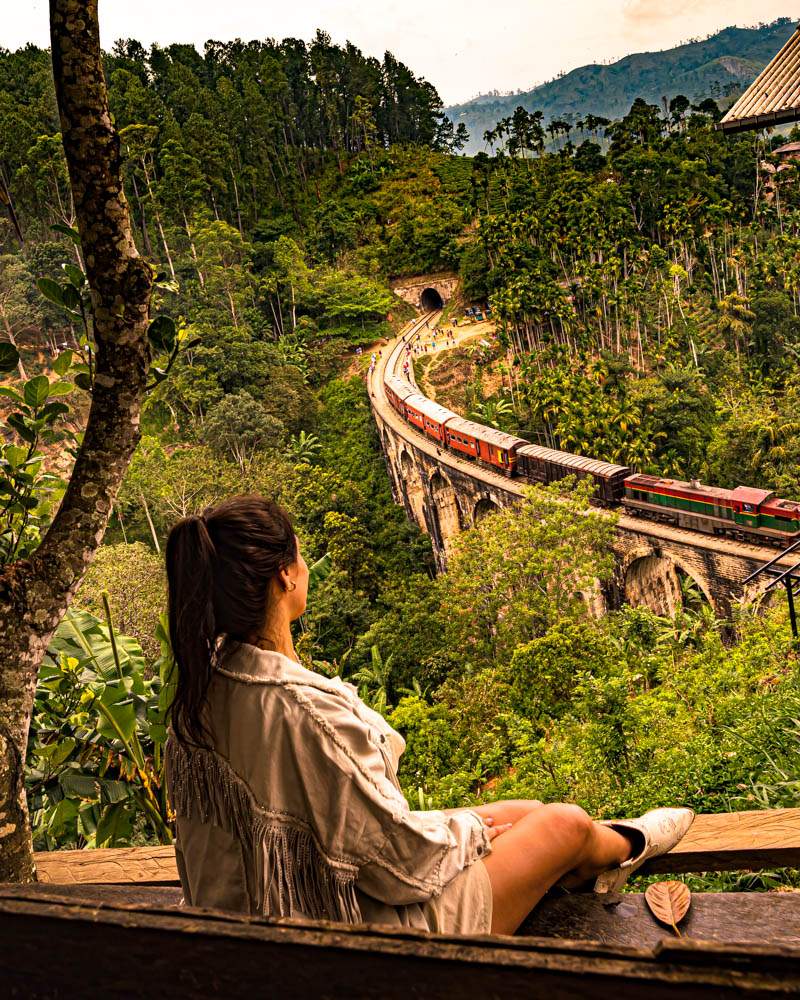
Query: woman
{"x": 284, "y": 783}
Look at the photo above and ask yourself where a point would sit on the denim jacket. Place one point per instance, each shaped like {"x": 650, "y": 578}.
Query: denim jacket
{"x": 296, "y": 810}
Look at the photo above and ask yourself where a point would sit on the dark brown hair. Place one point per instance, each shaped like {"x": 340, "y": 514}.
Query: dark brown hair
{"x": 219, "y": 566}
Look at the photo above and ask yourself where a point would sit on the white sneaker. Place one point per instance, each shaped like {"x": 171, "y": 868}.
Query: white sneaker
{"x": 661, "y": 829}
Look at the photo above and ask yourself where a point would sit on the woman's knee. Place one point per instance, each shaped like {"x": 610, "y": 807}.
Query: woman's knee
{"x": 568, "y": 824}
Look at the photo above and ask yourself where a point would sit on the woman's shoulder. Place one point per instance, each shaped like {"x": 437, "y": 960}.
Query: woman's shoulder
{"x": 333, "y": 703}
{"x": 255, "y": 666}
{"x": 316, "y": 708}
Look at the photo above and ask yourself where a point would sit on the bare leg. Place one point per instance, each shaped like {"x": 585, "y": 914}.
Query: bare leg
{"x": 507, "y": 810}
{"x": 540, "y": 848}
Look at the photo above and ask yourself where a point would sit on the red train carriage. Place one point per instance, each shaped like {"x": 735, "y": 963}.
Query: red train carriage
{"x": 427, "y": 416}
{"x": 484, "y": 444}
{"x": 397, "y": 391}
{"x": 746, "y": 513}
{"x": 545, "y": 465}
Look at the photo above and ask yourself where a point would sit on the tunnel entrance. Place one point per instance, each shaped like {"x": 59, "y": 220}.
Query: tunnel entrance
{"x": 430, "y": 300}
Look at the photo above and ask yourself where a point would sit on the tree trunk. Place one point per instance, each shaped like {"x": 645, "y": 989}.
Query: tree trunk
{"x": 36, "y": 592}
{"x": 6, "y": 199}
{"x": 12, "y": 340}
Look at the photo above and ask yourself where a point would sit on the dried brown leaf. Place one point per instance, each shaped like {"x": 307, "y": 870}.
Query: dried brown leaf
{"x": 669, "y": 902}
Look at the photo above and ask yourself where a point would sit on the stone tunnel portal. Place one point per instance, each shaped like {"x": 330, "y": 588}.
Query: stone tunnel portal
{"x": 430, "y": 299}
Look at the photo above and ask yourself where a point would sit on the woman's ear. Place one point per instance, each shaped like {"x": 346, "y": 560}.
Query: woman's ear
{"x": 287, "y": 584}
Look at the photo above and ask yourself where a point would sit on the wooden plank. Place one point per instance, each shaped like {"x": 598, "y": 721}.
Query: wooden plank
{"x": 115, "y": 865}
{"x": 733, "y": 918}
{"x": 159, "y": 897}
{"x": 716, "y": 842}
{"x": 762, "y": 918}
{"x": 735, "y": 841}
{"x": 62, "y": 950}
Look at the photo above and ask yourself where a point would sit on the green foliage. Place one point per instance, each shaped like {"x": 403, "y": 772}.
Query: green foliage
{"x": 598, "y": 714}
{"x": 95, "y": 758}
{"x": 238, "y": 426}
{"x": 168, "y": 482}
{"x": 29, "y": 492}
{"x": 723, "y": 63}
{"x": 522, "y": 570}
{"x": 131, "y": 577}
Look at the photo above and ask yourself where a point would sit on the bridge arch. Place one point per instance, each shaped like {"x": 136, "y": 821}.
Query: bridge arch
{"x": 484, "y": 506}
{"x": 430, "y": 299}
{"x": 446, "y": 514}
{"x": 662, "y": 583}
{"x": 412, "y": 488}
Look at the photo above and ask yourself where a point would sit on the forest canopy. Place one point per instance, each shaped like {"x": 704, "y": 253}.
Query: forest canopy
{"x": 644, "y": 277}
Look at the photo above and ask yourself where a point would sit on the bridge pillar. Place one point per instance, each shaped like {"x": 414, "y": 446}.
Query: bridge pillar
{"x": 411, "y": 489}
{"x": 444, "y": 515}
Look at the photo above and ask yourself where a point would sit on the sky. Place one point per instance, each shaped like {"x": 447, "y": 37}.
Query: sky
{"x": 463, "y": 47}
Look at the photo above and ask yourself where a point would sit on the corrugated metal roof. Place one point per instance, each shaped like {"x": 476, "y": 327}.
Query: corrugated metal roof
{"x": 773, "y": 97}
{"x": 428, "y": 408}
{"x": 399, "y": 386}
{"x": 586, "y": 465}
{"x": 489, "y": 434}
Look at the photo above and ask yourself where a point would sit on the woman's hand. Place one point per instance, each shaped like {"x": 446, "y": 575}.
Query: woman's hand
{"x": 492, "y": 830}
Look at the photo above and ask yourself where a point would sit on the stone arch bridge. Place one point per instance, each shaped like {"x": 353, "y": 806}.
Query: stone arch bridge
{"x": 444, "y": 495}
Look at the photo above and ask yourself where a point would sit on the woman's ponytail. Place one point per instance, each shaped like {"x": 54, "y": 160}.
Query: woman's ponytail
{"x": 219, "y": 570}
{"x": 190, "y": 561}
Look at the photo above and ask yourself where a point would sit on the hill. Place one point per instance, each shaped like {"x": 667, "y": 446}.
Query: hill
{"x": 719, "y": 66}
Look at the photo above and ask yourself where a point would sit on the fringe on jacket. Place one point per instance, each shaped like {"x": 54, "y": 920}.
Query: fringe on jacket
{"x": 280, "y": 851}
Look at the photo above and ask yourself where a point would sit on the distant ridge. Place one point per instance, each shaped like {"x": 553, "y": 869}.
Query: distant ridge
{"x": 719, "y": 66}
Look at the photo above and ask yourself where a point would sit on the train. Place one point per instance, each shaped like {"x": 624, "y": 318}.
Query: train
{"x": 745, "y": 513}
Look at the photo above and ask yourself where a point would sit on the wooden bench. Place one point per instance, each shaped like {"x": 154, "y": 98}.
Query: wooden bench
{"x": 59, "y": 947}
{"x": 112, "y": 917}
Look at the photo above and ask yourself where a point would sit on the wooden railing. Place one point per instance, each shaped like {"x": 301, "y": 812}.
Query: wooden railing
{"x": 108, "y": 922}
{"x": 715, "y": 842}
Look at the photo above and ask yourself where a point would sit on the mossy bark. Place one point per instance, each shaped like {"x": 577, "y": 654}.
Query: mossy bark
{"x": 35, "y": 593}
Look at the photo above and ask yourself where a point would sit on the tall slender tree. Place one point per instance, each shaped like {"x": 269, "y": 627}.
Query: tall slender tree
{"x": 36, "y": 592}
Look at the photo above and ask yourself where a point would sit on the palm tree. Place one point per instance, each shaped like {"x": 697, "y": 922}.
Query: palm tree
{"x": 491, "y": 412}
{"x": 373, "y": 680}
{"x": 735, "y": 318}
{"x": 303, "y": 447}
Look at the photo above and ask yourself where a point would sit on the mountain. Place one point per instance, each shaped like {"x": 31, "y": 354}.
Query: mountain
{"x": 719, "y": 66}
